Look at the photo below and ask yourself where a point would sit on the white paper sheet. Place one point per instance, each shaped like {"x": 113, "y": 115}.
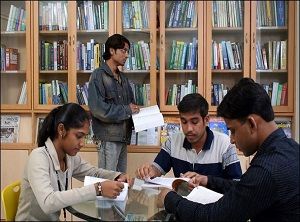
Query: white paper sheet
{"x": 203, "y": 195}
{"x": 147, "y": 118}
{"x": 162, "y": 181}
{"x": 91, "y": 180}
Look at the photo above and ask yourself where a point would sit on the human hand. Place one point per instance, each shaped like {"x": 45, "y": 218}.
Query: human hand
{"x": 198, "y": 180}
{"x": 147, "y": 171}
{"x": 125, "y": 178}
{"x": 161, "y": 197}
{"x": 134, "y": 108}
{"x": 111, "y": 189}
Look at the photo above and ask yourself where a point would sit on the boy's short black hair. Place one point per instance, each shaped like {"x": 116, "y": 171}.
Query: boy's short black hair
{"x": 115, "y": 41}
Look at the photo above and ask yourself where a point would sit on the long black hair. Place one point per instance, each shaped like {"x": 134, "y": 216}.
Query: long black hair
{"x": 71, "y": 115}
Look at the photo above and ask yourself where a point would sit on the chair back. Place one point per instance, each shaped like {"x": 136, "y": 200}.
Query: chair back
{"x": 10, "y": 199}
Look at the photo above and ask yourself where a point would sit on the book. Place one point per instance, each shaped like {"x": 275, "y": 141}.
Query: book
{"x": 10, "y": 128}
{"x": 218, "y": 124}
{"x": 286, "y": 126}
{"x": 12, "y": 59}
{"x": 39, "y": 124}
{"x": 171, "y": 126}
{"x": 147, "y": 118}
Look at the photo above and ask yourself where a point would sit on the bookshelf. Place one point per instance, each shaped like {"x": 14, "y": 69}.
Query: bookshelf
{"x": 175, "y": 35}
{"x": 160, "y": 33}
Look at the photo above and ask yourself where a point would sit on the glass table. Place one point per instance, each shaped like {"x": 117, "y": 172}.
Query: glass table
{"x": 140, "y": 205}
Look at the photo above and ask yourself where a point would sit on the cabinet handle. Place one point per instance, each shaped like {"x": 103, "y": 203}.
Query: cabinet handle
{"x": 253, "y": 41}
{"x": 73, "y": 39}
{"x": 246, "y": 38}
{"x": 161, "y": 39}
{"x": 151, "y": 37}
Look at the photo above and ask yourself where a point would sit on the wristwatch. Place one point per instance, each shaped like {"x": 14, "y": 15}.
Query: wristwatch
{"x": 99, "y": 193}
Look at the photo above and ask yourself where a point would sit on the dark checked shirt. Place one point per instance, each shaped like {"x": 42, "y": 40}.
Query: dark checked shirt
{"x": 268, "y": 191}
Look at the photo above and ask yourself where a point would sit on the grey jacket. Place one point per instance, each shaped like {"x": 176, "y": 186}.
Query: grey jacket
{"x": 40, "y": 198}
{"x": 109, "y": 105}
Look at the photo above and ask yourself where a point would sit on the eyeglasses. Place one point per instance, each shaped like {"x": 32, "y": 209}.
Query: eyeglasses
{"x": 124, "y": 51}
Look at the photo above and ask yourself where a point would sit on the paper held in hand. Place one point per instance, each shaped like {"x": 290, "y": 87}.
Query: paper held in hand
{"x": 148, "y": 117}
{"x": 91, "y": 180}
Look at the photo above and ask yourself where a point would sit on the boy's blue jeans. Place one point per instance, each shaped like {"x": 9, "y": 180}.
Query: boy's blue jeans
{"x": 112, "y": 156}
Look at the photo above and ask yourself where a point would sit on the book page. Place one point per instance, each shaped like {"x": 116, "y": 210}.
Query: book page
{"x": 162, "y": 181}
{"x": 147, "y": 118}
{"x": 203, "y": 195}
{"x": 91, "y": 180}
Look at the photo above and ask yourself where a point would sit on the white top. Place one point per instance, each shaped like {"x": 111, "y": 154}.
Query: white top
{"x": 40, "y": 198}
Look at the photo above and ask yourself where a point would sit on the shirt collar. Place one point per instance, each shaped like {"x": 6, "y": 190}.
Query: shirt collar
{"x": 210, "y": 136}
{"x": 266, "y": 145}
{"x": 53, "y": 154}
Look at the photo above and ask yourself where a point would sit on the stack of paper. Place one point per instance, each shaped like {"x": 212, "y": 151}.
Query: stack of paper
{"x": 203, "y": 195}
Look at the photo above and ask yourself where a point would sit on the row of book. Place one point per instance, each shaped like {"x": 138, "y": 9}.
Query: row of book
{"x": 10, "y": 58}
{"x": 16, "y": 19}
{"x": 135, "y": 14}
{"x": 184, "y": 55}
{"x": 54, "y": 92}
{"x": 271, "y": 55}
{"x": 227, "y": 55}
{"x": 89, "y": 56}
{"x": 182, "y": 14}
{"x": 176, "y": 92}
{"x": 53, "y": 15}
{"x": 139, "y": 56}
{"x": 227, "y": 14}
{"x": 10, "y": 125}
{"x": 54, "y": 55}
{"x": 271, "y": 13}
{"x": 82, "y": 93}
{"x": 92, "y": 15}
{"x": 277, "y": 92}
{"x": 218, "y": 91}
{"x": 141, "y": 93}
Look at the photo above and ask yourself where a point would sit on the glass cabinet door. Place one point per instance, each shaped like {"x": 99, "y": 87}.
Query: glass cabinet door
{"x": 15, "y": 54}
{"x": 91, "y": 28}
{"x": 137, "y": 22}
{"x": 273, "y": 50}
{"x": 51, "y": 54}
{"x": 228, "y": 29}
{"x": 181, "y": 51}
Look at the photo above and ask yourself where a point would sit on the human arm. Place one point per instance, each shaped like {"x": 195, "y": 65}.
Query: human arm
{"x": 41, "y": 182}
{"x": 253, "y": 194}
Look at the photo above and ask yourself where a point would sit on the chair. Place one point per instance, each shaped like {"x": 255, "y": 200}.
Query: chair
{"x": 10, "y": 199}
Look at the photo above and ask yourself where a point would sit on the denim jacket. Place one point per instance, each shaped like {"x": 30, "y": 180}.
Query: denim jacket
{"x": 109, "y": 105}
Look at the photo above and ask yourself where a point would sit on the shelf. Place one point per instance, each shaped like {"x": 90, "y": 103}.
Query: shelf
{"x": 54, "y": 33}
{"x": 15, "y": 33}
{"x": 146, "y": 31}
{"x": 53, "y": 72}
{"x": 87, "y": 32}
{"x": 227, "y": 71}
{"x": 181, "y": 29}
{"x": 227, "y": 29}
{"x": 13, "y": 72}
{"x": 143, "y": 149}
{"x": 272, "y": 71}
{"x": 16, "y": 146}
{"x": 181, "y": 71}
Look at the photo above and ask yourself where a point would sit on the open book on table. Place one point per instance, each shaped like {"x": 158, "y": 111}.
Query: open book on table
{"x": 91, "y": 180}
{"x": 199, "y": 194}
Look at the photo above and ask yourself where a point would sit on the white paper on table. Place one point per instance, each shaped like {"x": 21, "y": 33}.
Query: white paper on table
{"x": 162, "y": 181}
{"x": 148, "y": 117}
{"x": 91, "y": 180}
{"x": 203, "y": 195}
